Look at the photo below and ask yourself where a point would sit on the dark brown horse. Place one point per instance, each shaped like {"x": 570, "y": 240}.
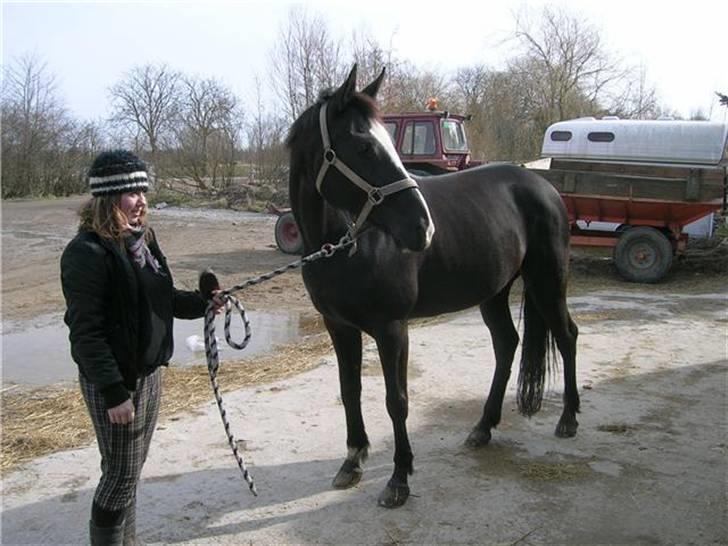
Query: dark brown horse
{"x": 435, "y": 245}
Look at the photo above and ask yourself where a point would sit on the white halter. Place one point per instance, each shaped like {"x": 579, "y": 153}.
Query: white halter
{"x": 375, "y": 195}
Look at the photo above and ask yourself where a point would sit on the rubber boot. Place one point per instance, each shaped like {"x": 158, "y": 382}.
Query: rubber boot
{"x": 106, "y": 536}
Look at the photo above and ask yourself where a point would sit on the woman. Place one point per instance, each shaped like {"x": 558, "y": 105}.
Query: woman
{"x": 120, "y": 302}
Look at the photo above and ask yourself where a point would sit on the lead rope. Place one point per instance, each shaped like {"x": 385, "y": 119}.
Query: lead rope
{"x": 211, "y": 352}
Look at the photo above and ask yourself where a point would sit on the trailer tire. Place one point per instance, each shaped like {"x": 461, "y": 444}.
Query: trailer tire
{"x": 643, "y": 254}
{"x": 288, "y": 238}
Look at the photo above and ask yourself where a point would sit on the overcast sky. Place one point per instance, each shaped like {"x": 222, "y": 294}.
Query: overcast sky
{"x": 90, "y": 45}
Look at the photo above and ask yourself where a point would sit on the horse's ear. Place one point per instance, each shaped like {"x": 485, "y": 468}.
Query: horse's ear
{"x": 343, "y": 94}
{"x": 373, "y": 88}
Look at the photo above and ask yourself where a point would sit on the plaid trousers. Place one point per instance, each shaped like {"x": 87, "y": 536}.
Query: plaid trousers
{"x": 123, "y": 448}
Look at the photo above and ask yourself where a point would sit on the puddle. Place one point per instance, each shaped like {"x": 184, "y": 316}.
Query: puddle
{"x": 37, "y": 353}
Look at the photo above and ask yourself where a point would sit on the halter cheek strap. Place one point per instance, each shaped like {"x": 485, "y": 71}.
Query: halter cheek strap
{"x": 375, "y": 194}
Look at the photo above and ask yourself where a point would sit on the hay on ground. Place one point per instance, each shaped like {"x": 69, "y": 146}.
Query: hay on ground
{"x": 48, "y": 420}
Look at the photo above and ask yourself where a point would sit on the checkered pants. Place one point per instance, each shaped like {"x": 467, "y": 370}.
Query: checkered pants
{"x": 123, "y": 448}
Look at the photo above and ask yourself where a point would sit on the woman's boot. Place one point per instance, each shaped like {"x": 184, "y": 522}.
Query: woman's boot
{"x": 106, "y": 536}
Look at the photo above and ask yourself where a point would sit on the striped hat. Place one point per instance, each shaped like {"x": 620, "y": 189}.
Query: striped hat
{"x": 117, "y": 171}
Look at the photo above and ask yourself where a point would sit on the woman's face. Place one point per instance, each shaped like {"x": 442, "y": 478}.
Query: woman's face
{"x": 133, "y": 205}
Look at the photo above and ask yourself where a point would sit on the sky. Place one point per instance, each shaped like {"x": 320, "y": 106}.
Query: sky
{"x": 89, "y": 46}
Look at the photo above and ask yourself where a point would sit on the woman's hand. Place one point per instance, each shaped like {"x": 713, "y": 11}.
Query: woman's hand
{"x": 210, "y": 289}
{"x": 217, "y": 301}
{"x": 123, "y": 414}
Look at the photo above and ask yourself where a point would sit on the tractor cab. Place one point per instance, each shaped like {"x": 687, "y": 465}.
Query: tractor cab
{"x": 430, "y": 142}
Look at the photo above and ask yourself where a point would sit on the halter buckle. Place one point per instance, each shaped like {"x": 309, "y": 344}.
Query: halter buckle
{"x": 375, "y": 196}
{"x": 329, "y": 156}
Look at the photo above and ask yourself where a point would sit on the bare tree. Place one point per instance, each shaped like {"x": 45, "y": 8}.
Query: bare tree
{"x": 562, "y": 71}
{"x": 266, "y": 150}
{"x": 568, "y": 67}
{"x": 502, "y": 127}
{"x": 43, "y": 148}
{"x": 409, "y": 88}
{"x": 305, "y": 60}
{"x": 637, "y": 99}
{"x": 476, "y": 95}
{"x": 146, "y": 101}
{"x": 207, "y": 134}
{"x": 370, "y": 58}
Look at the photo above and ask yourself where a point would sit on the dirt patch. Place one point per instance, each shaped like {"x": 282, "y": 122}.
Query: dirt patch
{"x": 697, "y": 269}
{"x": 236, "y": 245}
{"x": 239, "y": 246}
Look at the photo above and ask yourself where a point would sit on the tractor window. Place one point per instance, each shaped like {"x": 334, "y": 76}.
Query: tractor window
{"x": 453, "y": 136}
{"x": 391, "y": 127}
{"x": 419, "y": 138}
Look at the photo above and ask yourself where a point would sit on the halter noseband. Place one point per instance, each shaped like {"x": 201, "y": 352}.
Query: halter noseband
{"x": 375, "y": 194}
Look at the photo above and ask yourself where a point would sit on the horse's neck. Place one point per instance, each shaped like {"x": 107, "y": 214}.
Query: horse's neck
{"x": 318, "y": 222}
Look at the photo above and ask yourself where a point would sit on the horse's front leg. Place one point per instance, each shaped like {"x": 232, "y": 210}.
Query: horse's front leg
{"x": 347, "y": 344}
{"x": 393, "y": 344}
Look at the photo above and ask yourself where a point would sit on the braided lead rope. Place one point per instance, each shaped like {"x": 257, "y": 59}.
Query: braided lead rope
{"x": 211, "y": 351}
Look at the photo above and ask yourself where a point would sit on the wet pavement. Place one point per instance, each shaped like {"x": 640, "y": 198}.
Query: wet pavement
{"x": 36, "y": 353}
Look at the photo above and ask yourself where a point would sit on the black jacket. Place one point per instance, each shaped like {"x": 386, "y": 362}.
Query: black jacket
{"x": 102, "y": 312}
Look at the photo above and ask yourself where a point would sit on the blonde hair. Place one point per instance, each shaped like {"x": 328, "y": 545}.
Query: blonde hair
{"x": 103, "y": 216}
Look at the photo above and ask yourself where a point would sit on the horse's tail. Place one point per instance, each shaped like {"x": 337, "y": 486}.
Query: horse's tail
{"x": 536, "y": 353}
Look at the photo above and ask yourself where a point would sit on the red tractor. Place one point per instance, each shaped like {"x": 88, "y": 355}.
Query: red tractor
{"x": 431, "y": 142}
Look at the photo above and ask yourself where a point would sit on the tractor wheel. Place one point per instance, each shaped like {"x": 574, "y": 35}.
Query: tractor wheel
{"x": 643, "y": 254}
{"x": 288, "y": 238}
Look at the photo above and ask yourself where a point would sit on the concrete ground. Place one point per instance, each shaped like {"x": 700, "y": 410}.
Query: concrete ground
{"x": 648, "y": 465}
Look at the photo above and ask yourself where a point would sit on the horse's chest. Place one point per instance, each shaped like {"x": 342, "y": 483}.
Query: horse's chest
{"x": 353, "y": 294}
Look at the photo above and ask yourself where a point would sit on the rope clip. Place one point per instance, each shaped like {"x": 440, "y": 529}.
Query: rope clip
{"x": 328, "y": 250}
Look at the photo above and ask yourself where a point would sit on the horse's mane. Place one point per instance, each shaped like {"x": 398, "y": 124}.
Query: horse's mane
{"x": 309, "y": 119}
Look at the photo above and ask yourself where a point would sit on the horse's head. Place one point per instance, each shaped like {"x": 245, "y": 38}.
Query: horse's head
{"x": 356, "y": 166}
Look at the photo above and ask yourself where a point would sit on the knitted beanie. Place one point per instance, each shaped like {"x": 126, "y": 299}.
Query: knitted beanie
{"x": 117, "y": 171}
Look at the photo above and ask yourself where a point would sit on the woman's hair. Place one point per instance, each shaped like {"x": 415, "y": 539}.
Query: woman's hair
{"x": 102, "y": 215}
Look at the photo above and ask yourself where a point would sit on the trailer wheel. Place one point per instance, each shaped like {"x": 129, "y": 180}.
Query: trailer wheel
{"x": 643, "y": 254}
{"x": 288, "y": 238}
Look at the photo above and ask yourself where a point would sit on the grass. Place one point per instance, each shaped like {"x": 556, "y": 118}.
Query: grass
{"x": 722, "y": 230}
{"x": 175, "y": 198}
{"x": 180, "y": 199}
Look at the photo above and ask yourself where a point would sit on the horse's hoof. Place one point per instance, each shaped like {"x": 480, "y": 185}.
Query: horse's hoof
{"x": 566, "y": 428}
{"x": 348, "y": 476}
{"x": 394, "y": 495}
{"x": 478, "y": 438}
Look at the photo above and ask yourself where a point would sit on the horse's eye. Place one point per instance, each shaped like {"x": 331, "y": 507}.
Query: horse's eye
{"x": 366, "y": 147}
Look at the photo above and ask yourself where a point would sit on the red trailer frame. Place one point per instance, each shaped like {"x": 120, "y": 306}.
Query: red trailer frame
{"x": 651, "y": 203}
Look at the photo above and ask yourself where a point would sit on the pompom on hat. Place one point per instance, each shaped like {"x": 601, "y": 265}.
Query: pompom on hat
{"x": 117, "y": 171}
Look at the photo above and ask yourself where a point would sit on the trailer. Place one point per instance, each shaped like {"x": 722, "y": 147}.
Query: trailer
{"x": 648, "y": 178}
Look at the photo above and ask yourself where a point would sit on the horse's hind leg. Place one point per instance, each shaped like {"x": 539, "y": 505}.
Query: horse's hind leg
{"x": 497, "y": 316}
{"x": 566, "y": 342}
{"x": 347, "y": 344}
{"x": 393, "y": 344}
{"x": 549, "y": 298}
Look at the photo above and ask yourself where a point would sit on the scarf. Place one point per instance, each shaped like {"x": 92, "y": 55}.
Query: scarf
{"x": 137, "y": 248}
